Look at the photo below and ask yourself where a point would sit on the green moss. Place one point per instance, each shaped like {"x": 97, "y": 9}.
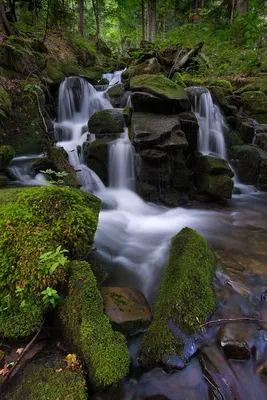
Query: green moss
{"x": 213, "y": 165}
{"x": 6, "y": 155}
{"x": 45, "y": 383}
{"x": 185, "y": 296}
{"x": 93, "y": 75}
{"x": 5, "y": 103}
{"x": 235, "y": 138}
{"x": 116, "y": 91}
{"x": 219, "y": 82}
{"x": 253, "y": 87}
{"x": 216, "y": 185}
{"x": 158, "y": 85}
{"x": 9, "y": 195}
{"x": 104, "y": 351}
{"x": 106, "y": 121}
{"x": 53, "y": 69}
{"x": 255, "y": 102}
{"x": 3, "y": 181}
{"x": 40, "y": 220}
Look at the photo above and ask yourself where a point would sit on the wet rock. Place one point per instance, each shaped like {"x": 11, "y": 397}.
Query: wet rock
{"x": 189, "y": 126}
{"x": 127, "y": 309}
{"x": 152, "y": 129}
{"x": 118, "y": 96}
{"x": 158, "y": 175}
{"x": 153, "y": 155}
{"x": 213, "y": 165}
{"x": 147, "y": 192}
{"x": 246, "y": 162}
{"x": 234, "y": 342}
{"x": 216, "y": 185}
{"x": 127, "y": 115}
{"x": 235, "y": 100}
{"x": 177, "y": 140}
{"x": 165, "y": 93}
{"x": 148, "y": 67}
{"x": 261, "y": 140}
{"x": 107, "y": 122}
{"x": 255, "y": 104}
{"x": 96, "y": 157}
{"x": 246, "y": 130}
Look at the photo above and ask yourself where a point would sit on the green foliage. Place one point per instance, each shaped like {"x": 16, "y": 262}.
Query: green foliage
{"x": 5, "y": 103}
{"x": 50, "y": 297}
{"x": 39, "y": 221}
{"x": 59, "y": 175}
{"x": 104, "y": 351}
{"x": 185, "y": 296}
{"x": 6, "y": 155}
{"x": 51, "y": 260}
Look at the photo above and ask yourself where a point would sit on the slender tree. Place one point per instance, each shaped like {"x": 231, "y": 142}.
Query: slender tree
{"x": 152, "y": 18}
{"x": 3, "y": 20}
{"x": 97, "y": 17}
{"x": 143, "y": 20}
{"x": 81, "y": 16}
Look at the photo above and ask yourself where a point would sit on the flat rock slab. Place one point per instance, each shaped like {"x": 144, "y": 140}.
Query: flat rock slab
{"x": 234, "y": 340}
{"x": 127, "y": 309}
{"x": 149, "y": 129}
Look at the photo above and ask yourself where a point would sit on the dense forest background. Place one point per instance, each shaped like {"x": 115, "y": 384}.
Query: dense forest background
{"x": 234, "y": 31}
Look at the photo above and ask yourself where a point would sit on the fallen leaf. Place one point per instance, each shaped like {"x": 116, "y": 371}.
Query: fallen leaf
{"x": 59, "y": 370}
{"x": 20, "y": 350}
{"x": 5, "y": 370}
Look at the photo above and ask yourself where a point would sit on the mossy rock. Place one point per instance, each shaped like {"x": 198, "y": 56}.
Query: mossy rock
{"x": 53, "y": 69}
{"x": 109, "y": 121}
{"x": 255, "y": 102}
{"x": 220, "y": 83}
{"x": 92, "y": 75}
{"x": 5, "y": 103}
{"x": 253, "y": 87}
{"x": 116, "y": 90}
{"x": 51, "y": 217}
{"x": 235, "y": 138}
{"x": 213, "y": 165}
{"x": 178, "y": 78}
{"x": 185, "y": 297}
{"x": 104, "y": 351}
{"x": 3, "y": 180}
{"x": 96, "y": 157}
{"x": 215, "y": 185}
{"x": 44, "y": 382}
{"x": 127, "y": 115}
{"x": 6, "y": 155}
{"x": 150, "y": 66}
{"x": 246, "y": 161}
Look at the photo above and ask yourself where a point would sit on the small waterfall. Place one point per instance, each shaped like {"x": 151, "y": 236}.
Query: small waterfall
{"x": 78, "y": 101}
{"x": 121, "y": 163}
{"x": 21, "y": 169}
{"x": 211, "y": 122}
{"x": 114, "y": 77}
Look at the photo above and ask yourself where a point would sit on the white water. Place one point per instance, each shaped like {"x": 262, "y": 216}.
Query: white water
{"x": 211, "y": 123}
{"x": 113, "y": 78}
{"x": 21, "y": 169}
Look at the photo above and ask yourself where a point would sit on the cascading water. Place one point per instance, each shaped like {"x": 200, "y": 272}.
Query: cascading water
{"x": 78, "y": 101}
{"x": 211, "y": 122}
{"x": 21, "y": 169}
{"x": 114, "y": 77}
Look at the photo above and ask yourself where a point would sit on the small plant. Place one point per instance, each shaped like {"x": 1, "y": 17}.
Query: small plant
{"x": 50, "y": 296}
{"x": 53, "y": 259}
{"x": 59, "y": 181}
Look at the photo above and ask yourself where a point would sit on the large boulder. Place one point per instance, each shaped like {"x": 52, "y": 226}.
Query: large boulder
{"x": 127, "y": 309}
{"x": 149, "y": 67}
{"x": 39, "y": 220}
{"x": 107, "y": 123}
{"x": 261, "y": 140}
{"x": 185, "y": 297}
{"x": 246, "y": 162}
{"x": 86, "y": 326}
{"x": 213, "y": 165}
{"x": 148, "y": 130}
{"x": 189, "y": 125}
{"x": 155, "y": 93}
{"x": 117, "y": 96}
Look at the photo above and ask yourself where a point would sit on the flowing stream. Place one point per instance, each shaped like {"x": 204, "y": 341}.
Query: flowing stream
{"x": 133, "y": 240}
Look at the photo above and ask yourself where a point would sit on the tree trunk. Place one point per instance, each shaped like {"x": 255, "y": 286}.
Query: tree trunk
{"x": 143, "y": 21}
{"x": 242, "y": 6}
{"x": 97, "y": 19}
{"x": 152, "y": 15}
{"x": 80, "y": 16}
{"x": 3, "y": 20}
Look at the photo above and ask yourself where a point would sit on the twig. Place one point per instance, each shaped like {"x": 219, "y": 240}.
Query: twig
{"x": 23, "y": 352}
{"x": 42, "y": 117}
{"x": 218, "y": 321}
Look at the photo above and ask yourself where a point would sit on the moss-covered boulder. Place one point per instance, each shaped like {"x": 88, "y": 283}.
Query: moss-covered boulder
{"x": 39, "y": 220}
{"x": 213, "y": 165}
{"x": 53, "y": 69}
{"x": 215, "y": 185}
{"x": 255, "y": 105}
{"x": 117, "y": 96}
{"x": 246, "y": 161}
{"x": 104, "y": 351}
{"x": 107, "y": 122}
{"x": 156, "y": 93}
{"x": 149, "y": 67}
{"x": 256, "y": 86}
{"x": 91, "y": 74}
{"x": 5, "y": 103}
{"x": 6, "y": 155}
{"x": 44, "y": 382}
{"x": 185, "y": 297}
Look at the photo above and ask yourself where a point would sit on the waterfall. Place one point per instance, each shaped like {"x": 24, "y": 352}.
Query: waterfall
{"x": 21, "y": 169}
{"x": 78, "y": 101}
{"x": 211, "y": 122}
{"x": 114, "y": 77}
{"x": 121, "y": 163}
